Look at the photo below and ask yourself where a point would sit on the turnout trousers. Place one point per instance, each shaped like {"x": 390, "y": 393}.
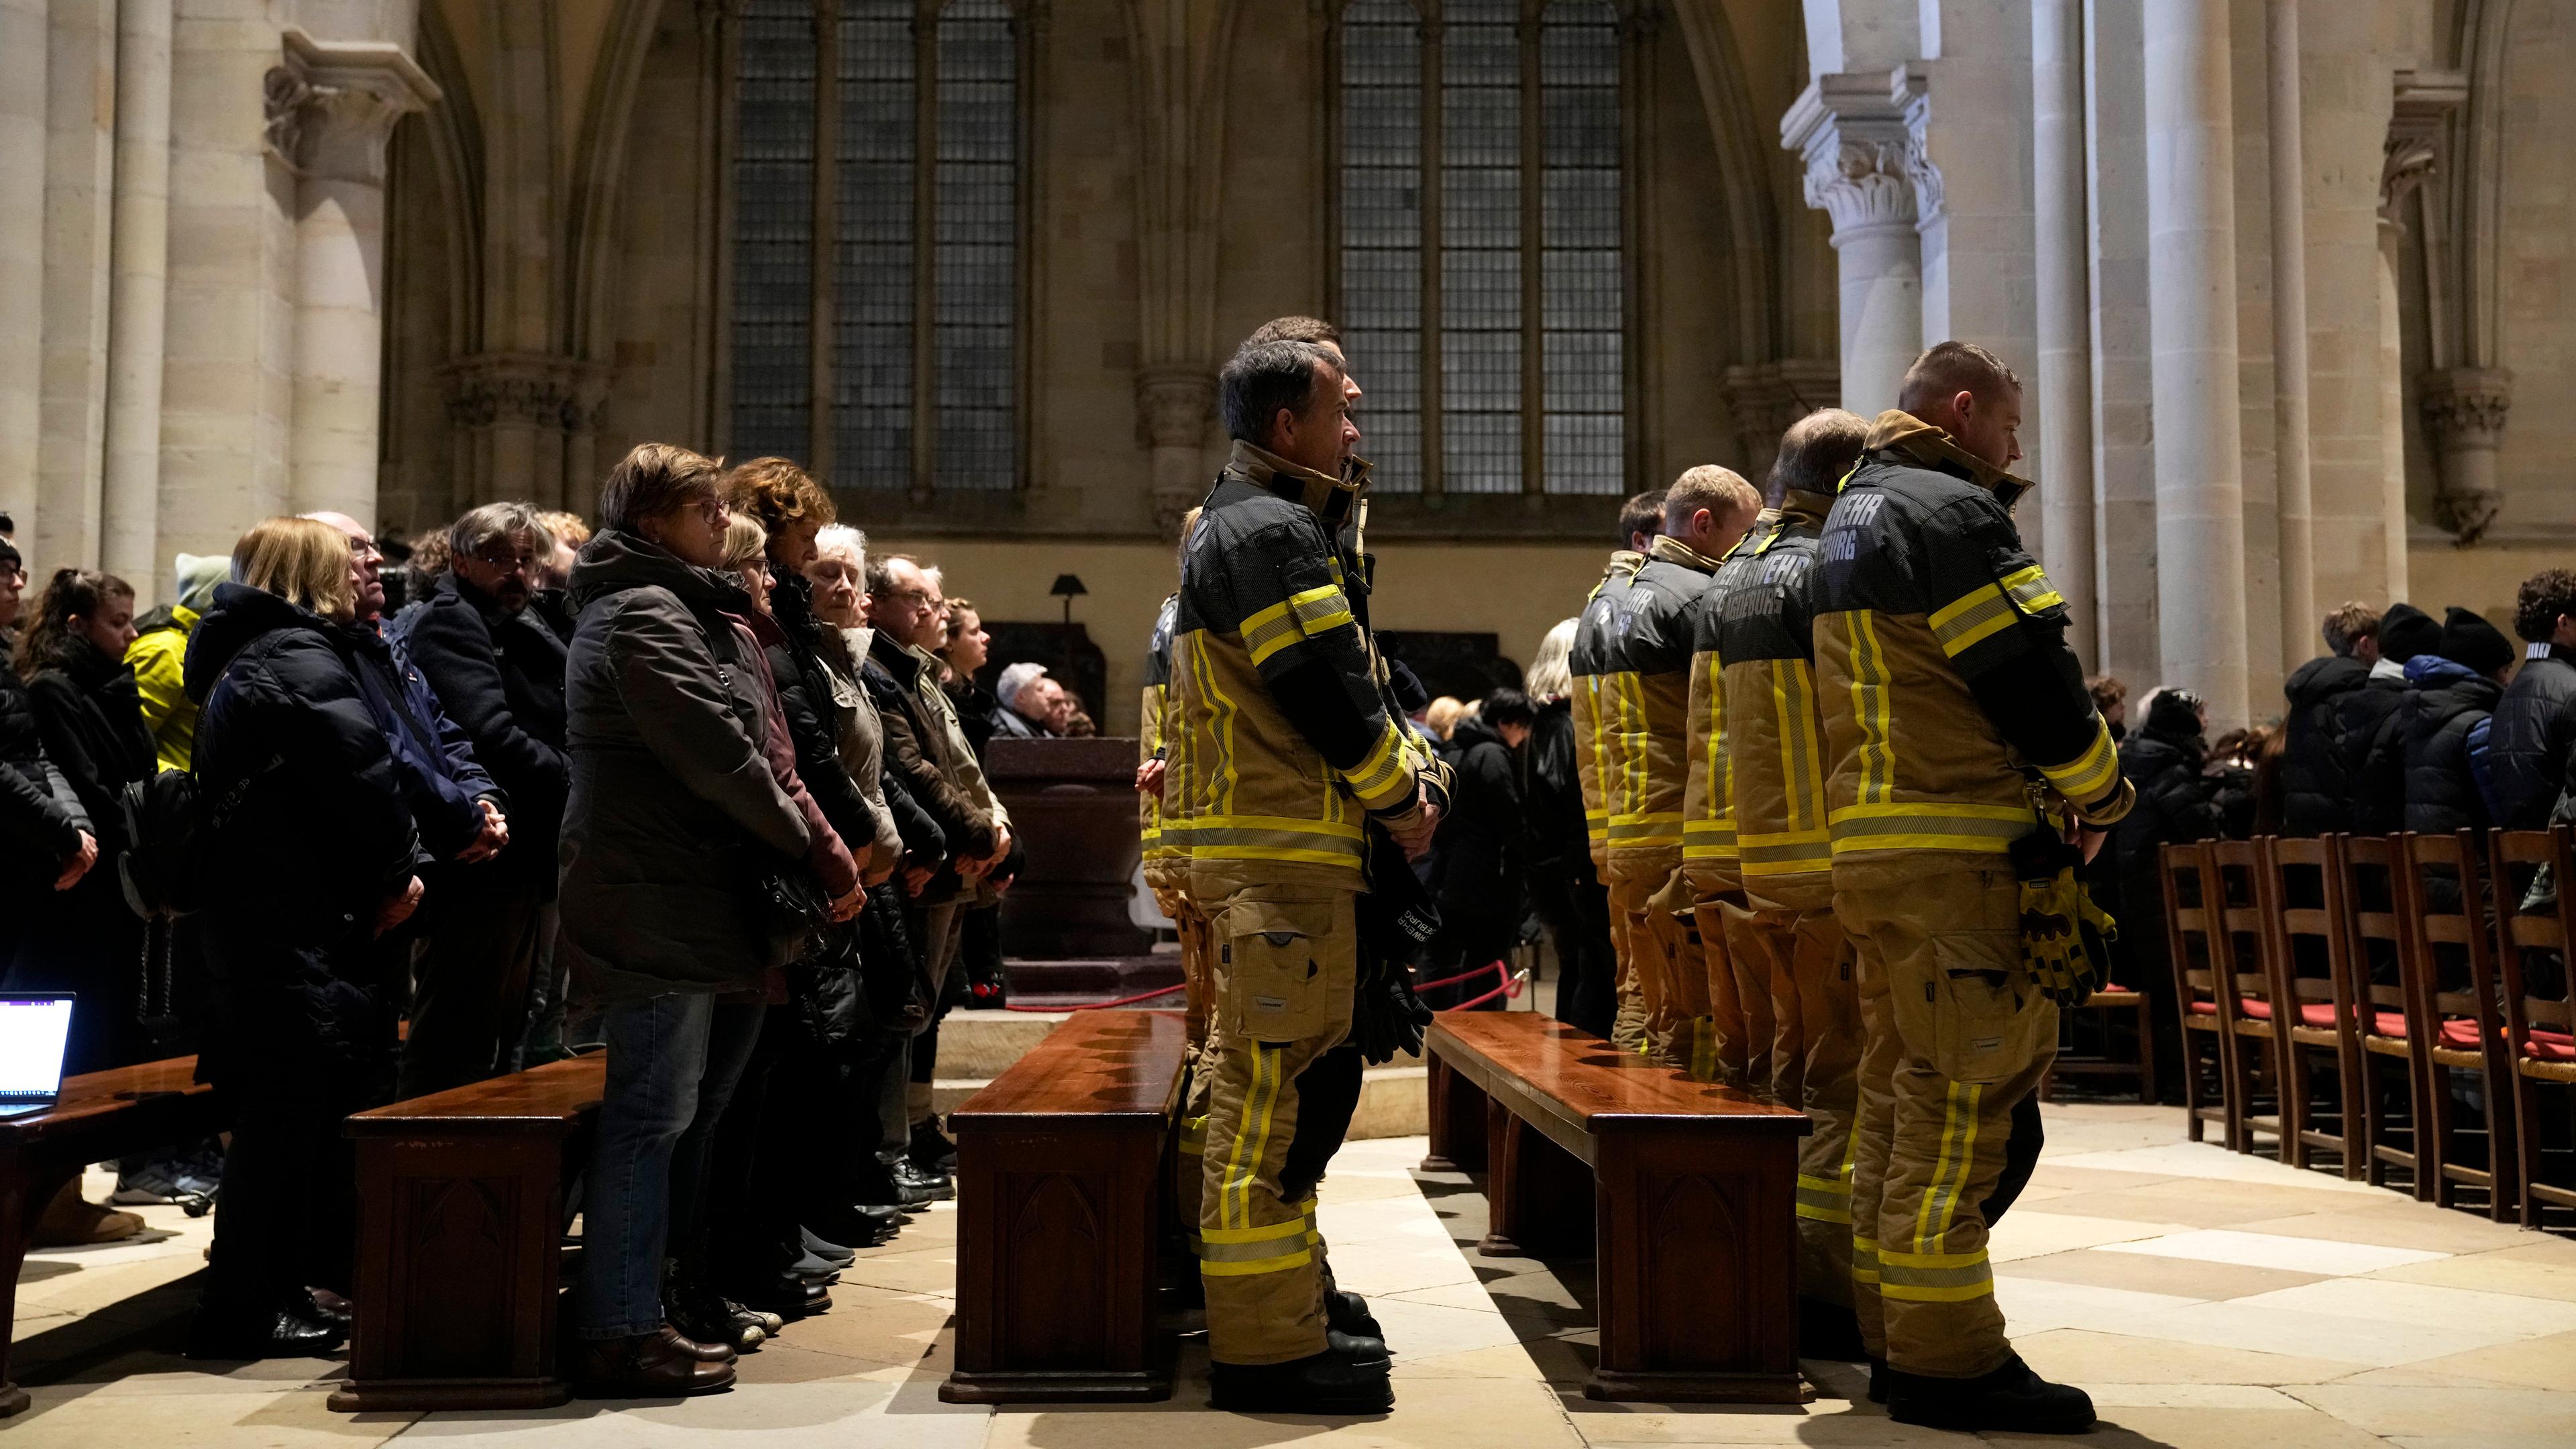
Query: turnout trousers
{"x": 1285, "y": 967}
{"x": 1737, "y": 1038}
{"x": 1191, "y": 925}
{"x": 1816, "y": 1044}
{"x": 1646, "y": 894}
{"x": 1958, "y": 1036}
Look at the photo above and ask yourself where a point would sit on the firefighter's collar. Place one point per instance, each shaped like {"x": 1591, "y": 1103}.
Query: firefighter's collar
{"x": 1325, "y": 496}
{"x": 1918, "y": 442}
{"x": 1804, "y": 507}
{"x": 1673, "y": 550}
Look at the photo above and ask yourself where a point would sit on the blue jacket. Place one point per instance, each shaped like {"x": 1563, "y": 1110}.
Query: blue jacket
{"x": 441, "y": 780}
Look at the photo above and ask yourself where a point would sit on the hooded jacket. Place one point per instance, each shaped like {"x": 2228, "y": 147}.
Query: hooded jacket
{"x": 2447, "y": 723}
{"x": 1765, "y": 746}
{"x": 2316, "y": 774}
{"x": 674, "y": 815}
{"x": 439, "y": 772}
{"x": 2533, "y": 735}
{"x": 91, "y": 720}
{"x": 1476, "y": 870}
{"x": 158, "y": 656}
{"x": 1646, "y": 689}
{"x": 2177, "y": 803}
{"x": 1599, "y": 744}
{"x": 1287, "y": 741}
{"x": 500, "y": 677}
{"x": 41, "y": 817}
{"x": 1950, "y": 698}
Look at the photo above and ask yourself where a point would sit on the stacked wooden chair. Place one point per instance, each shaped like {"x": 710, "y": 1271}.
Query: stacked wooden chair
{"x": 2539, "y": 1018}
{"x": 2453, "y": 1021}
{"x": 2191, "y": 939}
{"x": 2311, "y": 969}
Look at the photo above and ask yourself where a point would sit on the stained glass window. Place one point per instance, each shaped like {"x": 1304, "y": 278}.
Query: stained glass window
{"x": 978, "y": 246}
{"x": 773, "y": 277}
{"x": 1381, "y": 208}
{"x": 1580, "y": 283}
{"x": 872, "y": 340}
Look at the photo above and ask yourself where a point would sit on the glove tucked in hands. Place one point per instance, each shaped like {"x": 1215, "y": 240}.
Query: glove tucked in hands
{"x": 2064, "y": 937}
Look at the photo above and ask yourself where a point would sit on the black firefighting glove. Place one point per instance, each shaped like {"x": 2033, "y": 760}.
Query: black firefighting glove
{"x": 1394, "y": 918}
{"x": 2064, "y": 936}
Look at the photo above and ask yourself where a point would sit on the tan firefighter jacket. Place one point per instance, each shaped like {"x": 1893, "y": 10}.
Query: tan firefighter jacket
{"x": 1709, "y": 851}
{"x": 1646, "y": 691}
{"x": 1953, "y": 709}
{"x": 1757, "y": 621}
{"x": 1597, "y": 742}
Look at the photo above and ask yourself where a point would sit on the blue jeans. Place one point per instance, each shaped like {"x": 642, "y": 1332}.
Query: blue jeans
{"x": 673, "y": 1061}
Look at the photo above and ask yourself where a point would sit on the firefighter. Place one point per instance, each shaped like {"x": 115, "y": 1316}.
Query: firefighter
{"x": 1782, "y": 937}
{"x": 1598, "y": 745}
{"x": 1646, "y": 688}
{"x": 1167, "y": 875}
{"x": 1960, "y": 744}
{"x": 1287, "y": 751}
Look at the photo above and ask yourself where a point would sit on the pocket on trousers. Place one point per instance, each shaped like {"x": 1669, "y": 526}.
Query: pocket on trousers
{"x": 1985, "y": 1015}
{"x": 1271, "y": 969}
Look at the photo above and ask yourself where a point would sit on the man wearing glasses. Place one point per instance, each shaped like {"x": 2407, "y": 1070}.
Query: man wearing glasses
{"x": 500, "y": 673}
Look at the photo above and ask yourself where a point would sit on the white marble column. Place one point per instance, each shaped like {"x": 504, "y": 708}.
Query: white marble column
{"x": 1862, "y": 161}
{"x": 80, "y": 169}
{"x": 130, "y": 491}
{"x": 23, "y": 47}
{"x": 2063, "y": 396}
{"x": 2191, "y": 223}
{"x": 2292, "y": 495}
{"x": 332, "y": 106}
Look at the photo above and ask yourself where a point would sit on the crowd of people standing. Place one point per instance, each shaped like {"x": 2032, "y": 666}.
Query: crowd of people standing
{"x": 699, "y": 789}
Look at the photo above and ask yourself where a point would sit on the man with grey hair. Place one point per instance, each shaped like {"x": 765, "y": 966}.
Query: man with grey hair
{"x": 1025, "y": 702}
{"x": 500, "y": 673}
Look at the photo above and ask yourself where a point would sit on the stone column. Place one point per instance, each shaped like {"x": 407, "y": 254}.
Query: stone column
{"x": 2191, "y": 211}
{"x": 80, "y": 174}
{"x": 528, "y": 424}
{"x": 2464, "y": 405}
{"x": 2064, "y": 391}
{"x": 23, "y": 47}
{"x": 1764, "y": 398}
{"x": 2464, "y": 412}
{"x": 1862, "y": 161}
{"x": 1173, "y": 405}
{"x": 130, "y": 493}
{"x": 2292, "y": 504}
{"x": 332, "y": 106}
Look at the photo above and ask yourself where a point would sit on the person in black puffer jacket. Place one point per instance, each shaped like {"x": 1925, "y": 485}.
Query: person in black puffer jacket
{"x": 2367, "y": 717}
{"x": 2534, "y": 733}
{"x": 1565, "y": 888}
{"x": 2316, "y": 780}
{"x": 2444, "y": 729}
{"x": 2165, "y": 759}
{"x": 315, "y": 857}
{"x": 90, "y": 718}
{"x": 46, "y": 844}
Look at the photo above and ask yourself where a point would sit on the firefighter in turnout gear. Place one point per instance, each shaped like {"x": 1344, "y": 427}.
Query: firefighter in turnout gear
{"x": 1599, "y": 747}
{"x": 1957, "y": 730}
{"x": 1286, "y": 753}
{"x": 1167, "y": 875}
{"x": 1783, "y": 938}
{"x": 1644, "y": 697}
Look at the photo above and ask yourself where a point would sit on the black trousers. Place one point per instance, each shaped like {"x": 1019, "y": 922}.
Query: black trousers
{"x": 1577, "y": 917}
{"x": 490, "y": 934}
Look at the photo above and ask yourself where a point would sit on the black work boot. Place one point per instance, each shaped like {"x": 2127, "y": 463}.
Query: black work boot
{"x": 1348, "y": 1312}
{"x": 1829, "y": 1331}
{"x": 1331, "y": 1382}
{"x": 1357, "y": 1347}
{"x": 2011, "y": 1399}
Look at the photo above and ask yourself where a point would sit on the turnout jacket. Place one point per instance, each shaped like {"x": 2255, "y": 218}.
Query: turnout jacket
{"x": 1155, "y": 740}
{"x": 1710, "y": 855}
{"x": 1285, "y": 743}
{"x": 1952, "y": 705}
{"x": 1645, "y": 690}
{"x": 1598, "y": 745}
{"x": 1758, "y": 625}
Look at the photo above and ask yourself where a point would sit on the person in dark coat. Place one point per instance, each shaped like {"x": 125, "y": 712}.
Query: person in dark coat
{"x": 315, "y": 856}
{"x": 90, "y": 719}
{"x": 2165, "y": 759}
{"x": 2365, "y": 718}
{"x": 1478, "y": 858}
{"x": 2430, "y": 760}
{"x": 498, "y": 673}
{"x": 1565, "y": 887}
{"x": 46, "y": 844}
{"x": 674, "y": 821}
{"x": 2316, "y": 784}
{"x": 2534, "y": 734}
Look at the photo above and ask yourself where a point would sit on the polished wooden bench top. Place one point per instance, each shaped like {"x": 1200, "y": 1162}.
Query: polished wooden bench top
{"x": 1099, "y": 1067}
{"x": 551, "y": 1098}
{"x": 1589, "y": 1086}
{"x": 92, "y": 1096}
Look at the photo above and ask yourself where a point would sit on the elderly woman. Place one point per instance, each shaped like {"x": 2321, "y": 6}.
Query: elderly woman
{"x": 674, "y": 822}
{"x": 314, "y": 861}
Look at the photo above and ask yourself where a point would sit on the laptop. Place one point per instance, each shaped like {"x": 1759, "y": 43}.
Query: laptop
{"x": 34, "y": 1029}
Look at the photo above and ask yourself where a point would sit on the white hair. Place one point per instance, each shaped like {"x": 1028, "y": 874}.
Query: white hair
{"x": 848, "y": 545}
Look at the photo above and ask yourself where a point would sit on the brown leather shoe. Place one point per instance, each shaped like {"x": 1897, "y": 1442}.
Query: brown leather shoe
{"x": 654, "y": 1365}
{"x": 699, "y": 1349}
{"x": 72, "y": 1221}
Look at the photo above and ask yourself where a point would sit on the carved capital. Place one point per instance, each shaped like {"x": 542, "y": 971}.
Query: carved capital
{"x": 1173, "y": 405}
{"x": 1766, "y": 397}
{"x": 1862, "y": 139}
{"x": 2417, "y": 127}
{"x": 527, "y": 390}
{"x": 331, "y": 105}
{"x": 2464, "y": 416}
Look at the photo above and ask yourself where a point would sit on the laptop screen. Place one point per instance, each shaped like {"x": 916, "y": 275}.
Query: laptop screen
{"x": 33, "y": 1031}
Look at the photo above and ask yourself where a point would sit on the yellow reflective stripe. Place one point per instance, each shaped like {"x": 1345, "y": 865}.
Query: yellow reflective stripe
{"x": 1972, "y": 618}
{"x": 2089, "y": 774}
{"x": 2031, "y": 590}
{"x": 1935, "y": 1277}
{"x": 1721, "y": 769}
{"x": 1824, "y": 1199}
{"x": 1280, "y": 1264}
{"x": 1251, "y": 1137}
{"x": 1301, "y": 615}
{"x": 1864, "y": 1259}
{"x": 1709, "y": 840}
{"x": 1319, "y": 610}
{"x": 1267, "y": 837}
{"x": 1930, "y": 825}
{"x": 1376, "y": 778}
{"x": 1274, "y": 1232}
{"x": 1793, "y": 695}
{"x": 1869, "y": 690}
{"x": 1222, "y": 715}
{"x": 1950, "y": 1172}
{"x": 1788, "y": 852}
{"x": 1704, "y": 1048}
{"x": 1193, "y": 1137}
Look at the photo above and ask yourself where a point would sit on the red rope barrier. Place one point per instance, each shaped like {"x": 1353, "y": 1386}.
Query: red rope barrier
{"x": 1511, "y": 987}
{"x": 1098, "y": 1005}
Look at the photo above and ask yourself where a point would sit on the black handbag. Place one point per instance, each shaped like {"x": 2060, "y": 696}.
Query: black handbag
{"x": 793, "y": 914}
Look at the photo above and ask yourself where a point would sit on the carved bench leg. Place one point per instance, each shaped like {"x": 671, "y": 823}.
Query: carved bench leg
{"x": 25, "y": 1189}
{"x": 1696, "y": 1267}
{"x": 1457, "y": 1119}
{"x": 1538, "y": 1194}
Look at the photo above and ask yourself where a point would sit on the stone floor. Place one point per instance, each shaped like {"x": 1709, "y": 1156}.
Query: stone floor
{"x": 2206, "y": 1299}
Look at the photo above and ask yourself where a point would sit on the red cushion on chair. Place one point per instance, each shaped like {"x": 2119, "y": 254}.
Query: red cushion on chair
{"x": 2459, "y": 1031}
{"x": 2551, "y": 1046}
{"x": 2204, "y": 1008}
{"x": 2255, "y": 1007}
{"x": 2388, "y": 1023}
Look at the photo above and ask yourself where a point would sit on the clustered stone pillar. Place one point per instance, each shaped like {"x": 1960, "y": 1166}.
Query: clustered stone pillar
{"x": 1862, "y": 162}
{"x": 130, "y": 488}
{"x": 2191, "y": 225}
{"x": 2064, "y": 394}
{"x": 23, "y": 47}
{"x": 2293, "y": 503}
{"x": 332, "y": 106}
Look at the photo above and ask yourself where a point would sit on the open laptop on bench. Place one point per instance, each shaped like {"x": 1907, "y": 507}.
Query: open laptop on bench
{"x": 34, "y": 1029}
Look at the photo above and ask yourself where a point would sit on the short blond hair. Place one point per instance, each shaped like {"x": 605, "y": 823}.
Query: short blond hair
{"x": 569, "y": 529}
{"x": 1711, "y": 487}
{"x": 746, "y": 542}
{"x": 301, "y": 560}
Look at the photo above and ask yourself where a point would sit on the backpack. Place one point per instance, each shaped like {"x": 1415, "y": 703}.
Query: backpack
{"x": 172, "y": 834}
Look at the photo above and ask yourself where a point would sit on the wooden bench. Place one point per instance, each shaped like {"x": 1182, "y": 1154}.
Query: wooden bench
{"x": 460, "y": 1241}
{"x": 1690, "y": 1211}
{"x": 98, "y": 1116}
{"x": 1060, "y": 1175}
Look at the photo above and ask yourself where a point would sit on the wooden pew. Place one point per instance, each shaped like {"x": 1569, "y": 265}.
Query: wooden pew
{"x": 1060, "y": 1173}
{"x": 460, "y": 1241}
{"x": 1690, "y": 1207}
{"x": 98, "y": 1116}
